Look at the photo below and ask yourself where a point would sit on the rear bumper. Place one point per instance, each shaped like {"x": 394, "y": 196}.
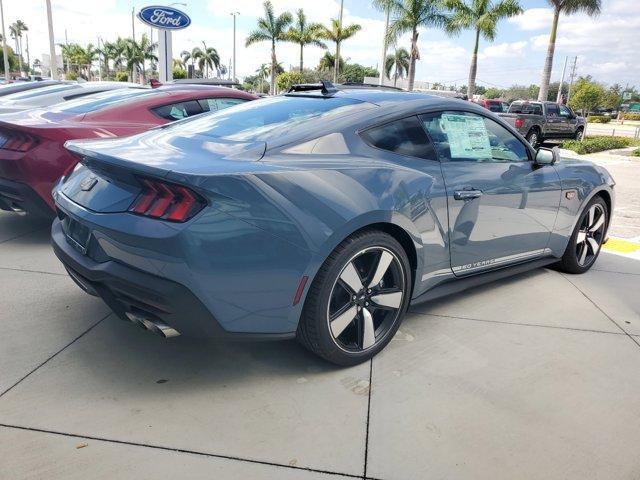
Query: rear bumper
{"x": 16, "y": 196}
{"x": 128, "y": 290}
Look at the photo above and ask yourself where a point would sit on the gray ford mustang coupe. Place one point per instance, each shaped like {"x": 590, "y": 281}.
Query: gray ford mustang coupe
{"x": 320, "y": 214}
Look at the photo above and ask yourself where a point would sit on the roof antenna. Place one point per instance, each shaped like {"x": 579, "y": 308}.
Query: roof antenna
{"x": 328, "y": 88}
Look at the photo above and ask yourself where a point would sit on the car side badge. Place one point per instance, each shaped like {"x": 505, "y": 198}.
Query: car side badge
{"x": 570, "y": 194}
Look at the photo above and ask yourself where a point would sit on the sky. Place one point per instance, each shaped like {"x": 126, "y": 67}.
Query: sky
{"x": 607, "y": 46}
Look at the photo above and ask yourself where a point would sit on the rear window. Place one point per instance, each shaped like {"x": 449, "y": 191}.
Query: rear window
{"x": 261, "y": 119}
{"x": 101, "y": 100}
{"x": 39, "y": 92}
{"x": 526, "y": 108}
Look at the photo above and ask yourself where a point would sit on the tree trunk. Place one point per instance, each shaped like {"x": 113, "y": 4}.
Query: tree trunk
{"x": 471, "y": 84}
{"x": 301, "y": 59}
{"x": 412, "y": 58}
{"x": 272, "y": 89}
{"x": 336, "y": 64}
{"x": 384, "y": 49}
{"x": 19, "y": 42}
{"x": 548, "y": 63}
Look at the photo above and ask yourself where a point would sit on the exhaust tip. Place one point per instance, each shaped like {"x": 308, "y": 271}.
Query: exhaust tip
{"x": 153, "y": 325}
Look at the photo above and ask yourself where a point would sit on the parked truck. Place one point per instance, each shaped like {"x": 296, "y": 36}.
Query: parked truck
{"x": 539, "y": 121}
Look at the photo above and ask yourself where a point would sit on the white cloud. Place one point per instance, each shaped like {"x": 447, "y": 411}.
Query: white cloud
{"x": 504, "y": 50}
{"x": 533, "y": 19}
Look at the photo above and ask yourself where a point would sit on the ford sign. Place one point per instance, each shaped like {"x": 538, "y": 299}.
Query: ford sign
{"x": 165, "y": 18}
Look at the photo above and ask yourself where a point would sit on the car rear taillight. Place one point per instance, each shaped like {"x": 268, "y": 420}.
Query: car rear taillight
{"x": 17, "y": 141}
{"x": 519, "y": 122}
{"x": 166, "y": 201}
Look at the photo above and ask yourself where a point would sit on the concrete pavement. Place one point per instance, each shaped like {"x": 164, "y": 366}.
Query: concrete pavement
{"x": 532, "y": 377}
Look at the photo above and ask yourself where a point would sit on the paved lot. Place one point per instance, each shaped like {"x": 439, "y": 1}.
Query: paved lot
{"x": 533, "y": 377}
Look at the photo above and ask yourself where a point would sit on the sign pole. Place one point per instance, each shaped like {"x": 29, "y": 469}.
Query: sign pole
{"x": 165, "y": 56}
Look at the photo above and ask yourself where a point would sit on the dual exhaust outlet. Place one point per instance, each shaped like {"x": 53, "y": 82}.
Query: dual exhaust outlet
{"x": 153, "y": 325}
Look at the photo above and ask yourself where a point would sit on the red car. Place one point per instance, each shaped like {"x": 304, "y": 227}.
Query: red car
{"x": 32, "y": 153}
{"x": 494, "y": 105}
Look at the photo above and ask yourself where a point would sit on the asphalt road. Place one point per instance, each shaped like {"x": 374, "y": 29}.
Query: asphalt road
{"x": 534, "y": 377}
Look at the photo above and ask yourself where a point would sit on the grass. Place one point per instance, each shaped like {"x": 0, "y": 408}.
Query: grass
{"x": 599, "y": 144}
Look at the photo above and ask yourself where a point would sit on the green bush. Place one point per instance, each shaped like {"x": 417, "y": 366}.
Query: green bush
{"x": 179, "y": 73}
{"x": 285, "y": 80}
{"x": 122, "y": 77}
{"x": 597, "y": 144}
{"x": 636, "y": 152}
{"x": 598, "y": 119}
{"x": 632, "y": 116}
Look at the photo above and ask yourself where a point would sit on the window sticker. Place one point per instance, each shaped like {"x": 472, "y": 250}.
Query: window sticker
{"x": 467, "y": 136}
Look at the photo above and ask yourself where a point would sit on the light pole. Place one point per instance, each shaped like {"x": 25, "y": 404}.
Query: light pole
{"x": 4, "y": 44}
{"x": 52, "y": 46}
{"x": 235, "y": 72}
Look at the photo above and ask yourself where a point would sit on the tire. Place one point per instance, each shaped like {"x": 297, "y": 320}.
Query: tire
{"x": 533, "y": 137}
{"x": 352, "y": 310}
{"x": 588, "y": 234}
{"x": 578, "y": 134}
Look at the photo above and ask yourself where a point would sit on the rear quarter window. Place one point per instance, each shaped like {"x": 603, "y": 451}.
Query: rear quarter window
{"x": 404, "y": 137}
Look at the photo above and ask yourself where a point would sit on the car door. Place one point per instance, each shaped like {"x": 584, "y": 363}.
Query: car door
{"x": 568, "y": 125}
{"x": 553, "y": 121}
{"x": 501, "y": 206}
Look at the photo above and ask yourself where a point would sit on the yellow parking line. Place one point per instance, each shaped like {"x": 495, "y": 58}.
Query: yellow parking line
{"x": 619, "y": 245}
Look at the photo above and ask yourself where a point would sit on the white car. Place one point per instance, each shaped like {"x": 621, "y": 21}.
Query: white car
{"x": 47, "y": 96}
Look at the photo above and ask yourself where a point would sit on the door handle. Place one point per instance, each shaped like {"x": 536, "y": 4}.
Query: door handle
{"x": 467, "y": 194}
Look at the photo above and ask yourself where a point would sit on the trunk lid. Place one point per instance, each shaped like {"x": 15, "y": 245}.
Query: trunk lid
{"x": 110, "y": 183}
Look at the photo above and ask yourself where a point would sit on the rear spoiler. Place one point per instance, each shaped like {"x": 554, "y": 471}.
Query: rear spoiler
{"x": 155, "y": 83}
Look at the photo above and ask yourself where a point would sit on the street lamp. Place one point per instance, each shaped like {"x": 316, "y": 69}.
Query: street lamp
{"x": 235, "y": 73}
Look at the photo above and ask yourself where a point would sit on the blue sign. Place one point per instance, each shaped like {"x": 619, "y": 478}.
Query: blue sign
{"x": 165, "y": 18}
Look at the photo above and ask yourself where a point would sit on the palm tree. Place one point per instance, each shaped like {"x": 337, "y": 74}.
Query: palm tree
{"x": 147, "y": 51}
{"x": 208, "y": 58}
{"x": 399, "y": 62}
{"x": 590, "y": 7}
{"x": 16, "y": 30}
{"x": 328, "y": 61}
{"x": 271, "y": 29}
{"x": 409, "y": 15}
{"x": 262, "y": 73}
{"x": 483, "y": 16}
{"x": 385, "y": 6}
{"x": 304, "y": 33}
{"x": 337, "y": 34}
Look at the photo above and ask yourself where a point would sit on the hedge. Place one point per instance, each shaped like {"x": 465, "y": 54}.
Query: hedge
{"x": 598, "y": 119}
{"x": 631, "y": 116}
{"x": 597, "y": 144}
{"x": 636, "y": 152}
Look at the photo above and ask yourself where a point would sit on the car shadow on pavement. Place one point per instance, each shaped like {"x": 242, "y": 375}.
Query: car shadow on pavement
{"x": 14, "y": 226}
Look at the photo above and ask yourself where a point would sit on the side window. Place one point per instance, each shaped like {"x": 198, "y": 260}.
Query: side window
{"x": 565, "y": 112}
{"x": 178, "y": 111}
{"x": 552, "y": 110}
{"x": 213, "y": 104}
{"x": 404, "y": 137}
{"x": 464, "y": 136}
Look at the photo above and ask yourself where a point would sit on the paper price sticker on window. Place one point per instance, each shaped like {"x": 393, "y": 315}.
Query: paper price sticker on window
{"x": 467, "y": 136}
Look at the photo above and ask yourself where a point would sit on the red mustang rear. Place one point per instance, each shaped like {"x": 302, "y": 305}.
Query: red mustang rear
{"x": 32, "y": 153}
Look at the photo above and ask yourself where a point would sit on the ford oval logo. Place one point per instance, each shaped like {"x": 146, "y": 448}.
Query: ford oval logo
{"x": 166, "y": 18}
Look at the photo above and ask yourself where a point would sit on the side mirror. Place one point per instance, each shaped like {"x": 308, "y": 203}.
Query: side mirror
{"x": 547, "y": 156}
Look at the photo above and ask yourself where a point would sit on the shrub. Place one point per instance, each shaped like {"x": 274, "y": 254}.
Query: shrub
{"x": 598, "y": 119}
{"x": 71, "y": 76}
{"x": 286, "y": 79}
{"x": 636, "y": 152}
{"x": 179, "y": 73}
{"x": 597, "y": 144}
{"x": 122, "y": 77}
{"x": 632, "y": 116}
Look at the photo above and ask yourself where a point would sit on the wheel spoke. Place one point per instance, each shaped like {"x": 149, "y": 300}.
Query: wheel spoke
{"x": 351, "y": 277}
{"x": 593, "y": 243}
{"x": 368, "y": 334}
{"x": 342, "y": 321}
{"x": 591, "y": 216}
{"x": 598, "y": 223}
{"x": 383, "y": 265}
{"x": 392, "y": 299}
{"x": 583, "y": 254}
{"x": 582, "y": 236}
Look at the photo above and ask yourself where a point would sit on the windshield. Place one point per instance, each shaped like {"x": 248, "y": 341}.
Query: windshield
{"x": 261, "y": 119}
{"x": 101, "y": 100}
{"x": 37, "y": 92}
